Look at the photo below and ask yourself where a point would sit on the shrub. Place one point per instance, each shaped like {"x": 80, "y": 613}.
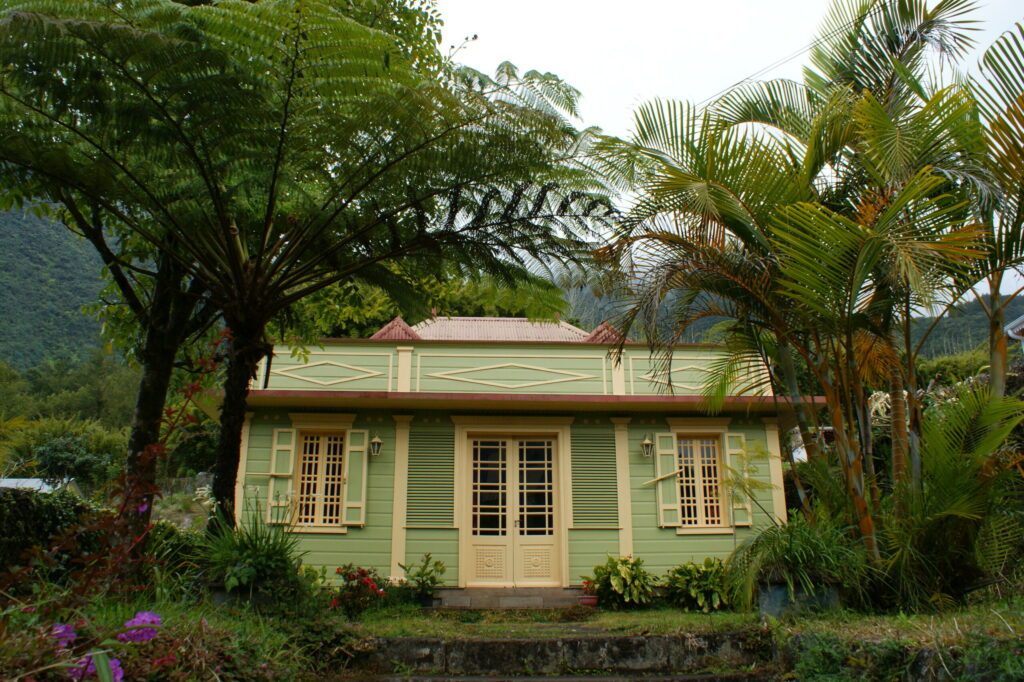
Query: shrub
{"x": 255, "y": 557}
{"x": 697, "y": 587}
{"x": 32, "y": 519}
{"x": 360, "y": 589}
{"x": 799, "y": 555}
{"x": 424, "y": 577}
{"x": 623, "y": 582}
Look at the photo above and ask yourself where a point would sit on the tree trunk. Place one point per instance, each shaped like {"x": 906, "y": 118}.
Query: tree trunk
{"x": 800, "y": 410}
{"x": 900, "y": 434}
{"x": 246, "y": 350}
{"x": 998, "y": 350}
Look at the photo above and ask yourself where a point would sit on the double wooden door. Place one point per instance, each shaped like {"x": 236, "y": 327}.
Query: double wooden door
{"x": 513, "y": 515}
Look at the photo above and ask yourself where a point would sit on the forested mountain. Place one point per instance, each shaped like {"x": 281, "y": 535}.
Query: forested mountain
{"x": 963, "y": 329}
{"x": 46, "y": 275}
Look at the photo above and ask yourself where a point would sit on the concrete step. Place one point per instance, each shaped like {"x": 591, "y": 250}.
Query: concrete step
{"x": 508, "y": 598}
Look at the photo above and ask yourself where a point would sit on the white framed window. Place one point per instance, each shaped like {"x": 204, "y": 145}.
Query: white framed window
{"x": 699, "y": 477}
{"x": 320, "y": 478}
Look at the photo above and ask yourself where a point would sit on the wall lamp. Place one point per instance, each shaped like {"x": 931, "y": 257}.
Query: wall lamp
{"x": 375, "y": 444}
{"x": 647, "y": 446}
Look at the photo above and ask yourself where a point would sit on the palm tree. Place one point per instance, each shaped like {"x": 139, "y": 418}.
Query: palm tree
{"x": 295, "y": 148}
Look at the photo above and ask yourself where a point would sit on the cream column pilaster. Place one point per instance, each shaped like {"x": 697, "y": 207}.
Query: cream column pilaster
{"x": 772, "y": 436}
{"x": 243, "y": 456}
{"x": 404, "y": 369}
{"x": 401, "y": 490}
{"x": 618, "y": 373}
{"x": 623, "y": 486}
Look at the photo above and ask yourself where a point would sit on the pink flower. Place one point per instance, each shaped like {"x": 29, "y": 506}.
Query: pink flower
{"x": 87, "y": 668}
{"x": 144, "y": 507}
{"x": 137, "y": 630}
{"x": 63, "y": 634}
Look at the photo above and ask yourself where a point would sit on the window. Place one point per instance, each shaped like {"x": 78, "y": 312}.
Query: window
{"x": 321, "y": 479}
{"x": 700, "y": 485}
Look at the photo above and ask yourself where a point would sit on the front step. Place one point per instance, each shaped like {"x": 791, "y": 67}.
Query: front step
{"x": 509, "y": 597}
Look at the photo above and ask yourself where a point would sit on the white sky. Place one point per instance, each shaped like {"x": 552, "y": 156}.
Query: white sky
{"x": 620, "y": 53}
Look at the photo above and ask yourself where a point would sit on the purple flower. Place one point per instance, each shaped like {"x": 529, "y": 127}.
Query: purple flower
{"x": 63, "y": 634}
{"x": 137, "y": 630}
{"x": 87, "y": 668}
{"x": 144, "y": 507}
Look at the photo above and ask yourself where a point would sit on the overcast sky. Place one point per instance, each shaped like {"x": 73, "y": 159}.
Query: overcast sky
{"x": 620, "y": 53}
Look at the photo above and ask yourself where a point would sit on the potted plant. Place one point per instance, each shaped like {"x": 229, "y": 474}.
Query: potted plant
{"x": 795, "y": 567}
{"x": 589, "y": 596}
{"x": 424, "y": 578}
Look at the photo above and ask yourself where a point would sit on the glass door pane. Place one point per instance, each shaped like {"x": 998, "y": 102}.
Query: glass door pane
{"x": 490, "y": 487}
{"x": 536, "y": 488}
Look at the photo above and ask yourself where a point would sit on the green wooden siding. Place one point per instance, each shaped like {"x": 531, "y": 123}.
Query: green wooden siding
{"x": 431, "y": 488}
{"x": 440, "y": 543}
{"x": 663, "y": 548}
{"x": 369, "y": 545}
{"x": 334, "y": 368}
{"x": 551, "y": 371}
{"x": 588, "y": 548}
{"x": 594, "y": 487}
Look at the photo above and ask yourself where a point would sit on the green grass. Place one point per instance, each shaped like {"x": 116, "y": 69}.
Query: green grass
{"x": 410, "y": 621}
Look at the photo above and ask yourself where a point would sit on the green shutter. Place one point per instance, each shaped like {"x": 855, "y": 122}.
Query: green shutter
{"x": 735, "y": 460}
{"x": 666, "y": 468}
{"x": 431, "y": 487}
{"x": 279, "y": 483}
{"x": 354, "y": 492}
{"x": 594, "y": 484}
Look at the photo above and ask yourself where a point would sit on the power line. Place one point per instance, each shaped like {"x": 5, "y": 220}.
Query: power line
{"x": 785, "y": 60}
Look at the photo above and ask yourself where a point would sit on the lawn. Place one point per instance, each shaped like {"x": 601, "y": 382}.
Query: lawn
{"x": 1003, "y": 620}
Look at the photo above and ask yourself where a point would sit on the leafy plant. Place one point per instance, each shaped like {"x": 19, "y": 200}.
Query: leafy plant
{"x": 424, "y": 577}
{"x": 261, "y": 558}
{"x": 623, "y": 582}
{"x": 360, "y": 589}
{"x": 697, "y": 586}
{"x": 800, "y": 556}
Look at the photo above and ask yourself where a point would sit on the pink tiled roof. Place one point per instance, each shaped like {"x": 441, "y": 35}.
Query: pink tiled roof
{"x": 396, "y": 330}
{"x": 604, "y": 333}
{"x": 496, "y": 329}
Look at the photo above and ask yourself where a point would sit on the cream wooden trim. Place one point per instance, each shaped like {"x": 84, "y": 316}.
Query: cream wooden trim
{"x": 511, "y": 424}
{"x": 243, "y": 455}
{"x": 467, "y": 426}
{"x": 772, "y": 436}
{"x": 505, "y": 359}
{"x": 323, "y": 421}
{"x": 706, "y": 530}
{"x": 702, "y": 425}
{"x": 565, "y": 376}
{"x": 401, "y": 487}
{"x": 623, "y": 491}
{"x": 404, "y": 369}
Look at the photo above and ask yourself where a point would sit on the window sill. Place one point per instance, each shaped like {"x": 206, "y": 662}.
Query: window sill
{"x": 706, "y": 530}
{"x": 335, "y": 530}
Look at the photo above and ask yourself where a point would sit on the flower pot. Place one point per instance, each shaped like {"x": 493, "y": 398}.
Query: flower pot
{"x": 587, "y": 600}
{"x": 774, "y": 600}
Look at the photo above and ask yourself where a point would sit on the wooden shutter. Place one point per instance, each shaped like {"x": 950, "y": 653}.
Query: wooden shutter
{"x": 666, "y": 464}
{"x": 736, "y": 461}
{"x": 594, "y": 481}
{"x": 431, "y": 492}
{"x": 356, "y": 469}
{"x": 282, "y": 461}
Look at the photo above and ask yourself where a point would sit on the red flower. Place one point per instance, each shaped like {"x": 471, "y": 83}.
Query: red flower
{"x": 334, "y": 602}
{"x": 338, "y": 571}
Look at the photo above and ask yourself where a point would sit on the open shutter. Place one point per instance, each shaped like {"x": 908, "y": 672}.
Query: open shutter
{"x": 354, "y": 495}
{"x": 665, "y": 466}
{"x": 279, "y": 485}
{"x": 736, "y": 461}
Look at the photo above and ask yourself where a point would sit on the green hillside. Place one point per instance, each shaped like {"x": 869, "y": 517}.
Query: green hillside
{"x": 963, "y": 329}
{"x": 46, "y": 275}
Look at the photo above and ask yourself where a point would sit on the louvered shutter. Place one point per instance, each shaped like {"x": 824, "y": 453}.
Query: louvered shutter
{"x": 735, "y": 460}
{"x": 665, "y": 466}
{"x": 356, "y": 469}
{"x": 282, "y": 461}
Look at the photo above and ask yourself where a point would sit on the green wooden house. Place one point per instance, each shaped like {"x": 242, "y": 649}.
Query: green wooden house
{"x": 519, "y": 453}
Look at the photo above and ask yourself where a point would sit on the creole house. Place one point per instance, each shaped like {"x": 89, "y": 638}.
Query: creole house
{"x": 519, "y": 453}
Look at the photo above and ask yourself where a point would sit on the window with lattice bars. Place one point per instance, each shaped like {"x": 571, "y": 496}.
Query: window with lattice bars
{"x": 700, "y": 485}
{"x": 321, "y": 479}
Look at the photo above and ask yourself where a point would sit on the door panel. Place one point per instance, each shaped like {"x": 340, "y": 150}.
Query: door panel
{"x": 512, "y": 512}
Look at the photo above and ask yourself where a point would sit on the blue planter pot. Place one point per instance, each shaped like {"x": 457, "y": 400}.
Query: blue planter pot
{"x": 774, "y": 600}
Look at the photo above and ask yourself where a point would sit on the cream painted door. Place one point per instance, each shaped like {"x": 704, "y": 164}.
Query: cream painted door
{"x": 513, "y": 519}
